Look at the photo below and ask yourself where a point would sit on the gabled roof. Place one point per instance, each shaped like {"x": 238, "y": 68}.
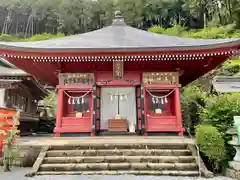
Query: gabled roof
{"x": 227, "y": 84}
{"x": 4, "y": 71}
{"x": 119, "y": 36}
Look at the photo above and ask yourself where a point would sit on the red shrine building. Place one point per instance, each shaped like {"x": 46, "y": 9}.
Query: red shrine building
{"x": 119, "y": 78}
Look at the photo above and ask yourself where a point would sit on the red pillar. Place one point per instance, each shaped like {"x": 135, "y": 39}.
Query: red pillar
{"x": 145, "y": 112}
{"x": 59, "y": 112}
{"x": 178, "y": 110}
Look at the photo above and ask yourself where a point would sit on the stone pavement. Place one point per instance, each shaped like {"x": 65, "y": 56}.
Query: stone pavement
{"x": 18, "y": 174}
{"x": 41, "y": 141}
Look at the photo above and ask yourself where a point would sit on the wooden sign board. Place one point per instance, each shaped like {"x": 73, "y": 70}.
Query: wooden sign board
{"x": 76, "y": 78}
{"x": 160, "y": 78}
{"x": 117, "y": 70}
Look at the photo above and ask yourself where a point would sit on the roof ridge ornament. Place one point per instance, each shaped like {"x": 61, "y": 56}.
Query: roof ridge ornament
{"x": 118, "y": 19}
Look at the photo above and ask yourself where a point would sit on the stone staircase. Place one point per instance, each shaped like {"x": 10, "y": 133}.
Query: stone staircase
{"x": 117, "y": 158}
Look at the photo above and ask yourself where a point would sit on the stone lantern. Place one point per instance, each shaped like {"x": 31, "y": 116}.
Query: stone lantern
{"x": 234, "y": 166}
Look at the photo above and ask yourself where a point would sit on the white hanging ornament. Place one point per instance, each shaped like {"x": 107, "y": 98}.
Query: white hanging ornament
{"x": 153, "y": 100}
{"x": 78, "y": 100}
{"x": 157, "y": 101}
{"x": 162, "y": 101}
{"x": 111, "y": 97}
{"x": 82, "y": 100}
{"x": 121, "y": 98}
{"x": 73, "y": 101}
{"x": 69, "y": 101}
{"x": 166, "y": 101}
{"x": 126, "y": 97}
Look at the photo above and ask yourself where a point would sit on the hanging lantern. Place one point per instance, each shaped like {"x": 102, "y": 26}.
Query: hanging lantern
{"x": 78, "y": 100}
{"x": 82, "y": 100}
{"x": 166, "y": 101}
{"x": 69, "y": 101}
{"x": 162, "y": 101}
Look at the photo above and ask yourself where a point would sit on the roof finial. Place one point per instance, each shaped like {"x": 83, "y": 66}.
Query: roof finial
{"x": 119, "y": 19}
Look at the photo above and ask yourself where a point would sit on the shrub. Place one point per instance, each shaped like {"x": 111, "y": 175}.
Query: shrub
{"x": 211, "y": 145}
{"x": 44, "y": 36}
{"x": 219, "y": 112}
{"x": 192, "y": 100}
{"x": 156, "y": 29}
{"x": 8, "y": 38}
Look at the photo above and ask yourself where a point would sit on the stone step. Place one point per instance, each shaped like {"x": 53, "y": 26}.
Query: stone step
{"x": 116, "y": 145}
{"x": 118, "y": 166}
{"x": 119, "y": 152}
{"x": 153, "y": 173}
{"x": 118, "y": 159}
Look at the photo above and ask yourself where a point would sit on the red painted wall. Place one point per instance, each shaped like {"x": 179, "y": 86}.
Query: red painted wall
{"x": 128, "y": 75}
{"x": 167, "y": 121}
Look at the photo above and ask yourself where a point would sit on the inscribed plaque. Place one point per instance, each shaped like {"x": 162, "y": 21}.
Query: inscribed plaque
{"x": 117, "y": 70}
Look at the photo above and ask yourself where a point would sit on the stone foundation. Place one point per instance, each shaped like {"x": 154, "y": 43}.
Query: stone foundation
{"x": 233, "y": 173}
{"x": 27, "y": 156}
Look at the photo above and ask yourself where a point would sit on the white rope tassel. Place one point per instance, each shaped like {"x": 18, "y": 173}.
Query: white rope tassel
{"x": 73, "y": 100}
{"x": 166, "y": 101}
{"x": 162, "y": 101}
{"x": 69, "y": 101}
{"x": 121, "y": 98}
{"x": 153, "y": 100}
{"x": 78, "y": 100}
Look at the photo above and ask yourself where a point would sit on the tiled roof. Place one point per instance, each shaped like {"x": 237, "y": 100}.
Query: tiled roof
{"x": 119, "y": 36}
{"x": 227, "y": 84}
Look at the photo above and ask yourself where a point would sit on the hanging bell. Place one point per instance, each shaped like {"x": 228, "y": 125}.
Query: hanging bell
{"x": 73, "y": 101}
{"x": 166, "y": 101}
{"x": 78, "y": 100}
{"x": 69, "y": 101}
{"x": 162, "y": 101}
{"x": 82, "y": 100}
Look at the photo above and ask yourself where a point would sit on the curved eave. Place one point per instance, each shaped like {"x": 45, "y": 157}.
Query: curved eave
{"x": 11, "y": 72}
{"x": 229, "y": 44}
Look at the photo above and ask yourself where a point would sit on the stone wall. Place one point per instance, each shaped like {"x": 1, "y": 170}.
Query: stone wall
{"x": 26, "y": 157}
{"x": 235, "y": 174}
